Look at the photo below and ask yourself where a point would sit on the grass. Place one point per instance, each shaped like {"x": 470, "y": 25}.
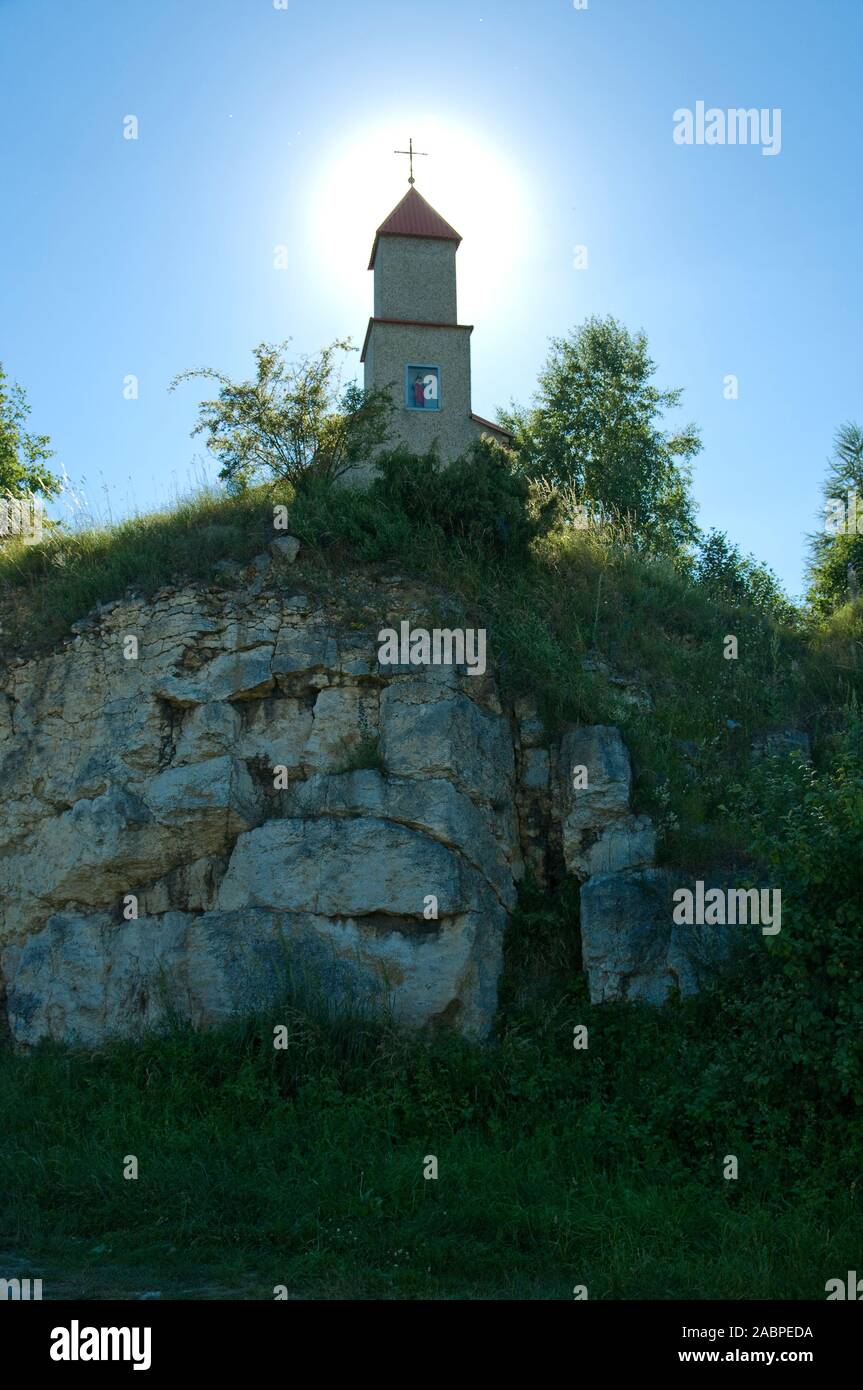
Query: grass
{"x": 304, "y": 1167}
{"x": 44, "y": 588}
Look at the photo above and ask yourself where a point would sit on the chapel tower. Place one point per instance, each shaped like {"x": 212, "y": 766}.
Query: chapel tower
{"x": 414, "y": 346}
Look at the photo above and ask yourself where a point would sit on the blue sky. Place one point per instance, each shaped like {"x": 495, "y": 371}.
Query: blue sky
{"x": 547, "y": 128}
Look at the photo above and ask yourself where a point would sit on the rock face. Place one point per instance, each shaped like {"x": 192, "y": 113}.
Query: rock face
{"x": 205, "y": 792}
{"x": 600, "y": 835}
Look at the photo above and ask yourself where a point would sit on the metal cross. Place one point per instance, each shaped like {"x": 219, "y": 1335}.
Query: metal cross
{"x": 410, "y": 152}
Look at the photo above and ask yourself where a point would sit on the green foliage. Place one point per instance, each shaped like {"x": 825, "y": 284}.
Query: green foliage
{"x": 23, "y": 456}
{"x": 806, "y": 830}
{"x": 291, "y": 421}
{"x": 836, "y": 561}
{"x": 351, "y": 525}
{"x": 422, "y": 512}
{"x": 596, "y": 424}
{"x": 733, "y": 578}
{"x": 477, "y": 502}
{"x": 45, "y": 587}
{"x": 836, "y": 577}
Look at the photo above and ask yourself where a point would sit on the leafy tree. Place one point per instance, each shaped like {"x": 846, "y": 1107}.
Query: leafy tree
{"x": 595, "y": 425}
{"x": 292, "y": 420}
{"x": 836, "y": 563}
{"x": 23, "y": 456}
{"x": 725, "y": 573}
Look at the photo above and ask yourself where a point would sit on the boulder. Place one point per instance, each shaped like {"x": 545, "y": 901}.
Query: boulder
{"x": 631, "y": 946}
{"x": 594, "y": 781}
{"x": 285, "y": 549}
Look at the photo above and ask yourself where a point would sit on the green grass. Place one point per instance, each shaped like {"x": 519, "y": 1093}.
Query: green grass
{"x": 304, "y": 1167}
{"x": 44, "y": 588}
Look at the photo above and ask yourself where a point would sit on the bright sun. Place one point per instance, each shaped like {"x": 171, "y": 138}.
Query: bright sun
{"x": 465, "y": 178}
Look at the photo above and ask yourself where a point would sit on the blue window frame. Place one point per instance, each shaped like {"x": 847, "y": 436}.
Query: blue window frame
{"x": 422, "y": 387}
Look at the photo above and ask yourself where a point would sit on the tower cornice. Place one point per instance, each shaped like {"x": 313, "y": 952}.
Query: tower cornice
{"x": 410, "y": 323}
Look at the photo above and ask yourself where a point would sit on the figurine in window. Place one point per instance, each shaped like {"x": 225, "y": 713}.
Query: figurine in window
{"x": 419, "y": 391}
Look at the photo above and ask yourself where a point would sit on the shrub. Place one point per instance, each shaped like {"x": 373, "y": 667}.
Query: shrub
{"x": 806, "y": 830}
{"x": 292, "y": 419}
{"x": 477, "y": 501}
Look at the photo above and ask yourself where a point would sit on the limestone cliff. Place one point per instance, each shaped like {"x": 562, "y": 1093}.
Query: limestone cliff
{"x": 203, "y": 789}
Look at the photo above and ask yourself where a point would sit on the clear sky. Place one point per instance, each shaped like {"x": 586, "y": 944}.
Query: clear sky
{"x": 548, "y": 127}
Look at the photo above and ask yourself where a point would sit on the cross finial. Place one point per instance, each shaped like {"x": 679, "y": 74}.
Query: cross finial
{"x": 410, "y": 152}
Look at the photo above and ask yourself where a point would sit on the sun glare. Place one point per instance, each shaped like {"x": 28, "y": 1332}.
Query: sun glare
{"x": 466, "y": 178}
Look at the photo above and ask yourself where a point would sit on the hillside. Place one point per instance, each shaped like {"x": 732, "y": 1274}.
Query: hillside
{"x": 305, "y": 1164}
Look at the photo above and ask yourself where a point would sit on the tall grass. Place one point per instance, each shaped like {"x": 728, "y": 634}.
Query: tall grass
{"x": 305, "y": 1166}
{"x": 44, "y": 588}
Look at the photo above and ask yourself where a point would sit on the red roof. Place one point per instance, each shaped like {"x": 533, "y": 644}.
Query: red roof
{"x": 413, "y": 216}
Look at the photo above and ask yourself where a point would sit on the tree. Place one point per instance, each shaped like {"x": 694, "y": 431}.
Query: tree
{"x": 23, "y": 456}
{"x": 726, "y": 574}
{"x": 292, "y": 421}
{"x": 836, "y": 557}
{"x": 845, "y": 467}
{"x": 595, "y": 426}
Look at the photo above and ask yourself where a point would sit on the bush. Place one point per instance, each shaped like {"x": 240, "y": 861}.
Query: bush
{"x": 806, "y": 830}
{"x": 477, "y": 501}
{"x": 291, "y": 420}
{"x": 768, "y": 1055}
